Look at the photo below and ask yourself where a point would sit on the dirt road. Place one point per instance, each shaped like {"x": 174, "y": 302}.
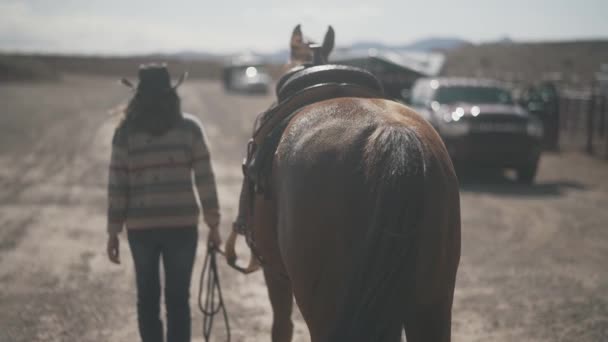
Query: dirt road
{"x": 533, "y": 262}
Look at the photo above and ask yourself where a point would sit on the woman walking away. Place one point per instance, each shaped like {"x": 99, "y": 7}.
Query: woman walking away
{"x": 155, "y": 150}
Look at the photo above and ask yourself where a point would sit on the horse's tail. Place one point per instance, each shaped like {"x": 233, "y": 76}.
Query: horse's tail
{"x": 373, "y": 304}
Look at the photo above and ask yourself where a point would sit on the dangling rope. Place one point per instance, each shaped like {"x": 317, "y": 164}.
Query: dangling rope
{"x": 214, "y": 301}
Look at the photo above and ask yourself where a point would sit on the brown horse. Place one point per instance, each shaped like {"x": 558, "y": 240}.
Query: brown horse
{"x": 363, "y": 222}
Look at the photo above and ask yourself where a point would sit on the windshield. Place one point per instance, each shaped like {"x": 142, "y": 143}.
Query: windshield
{"x": 471, "y": 94}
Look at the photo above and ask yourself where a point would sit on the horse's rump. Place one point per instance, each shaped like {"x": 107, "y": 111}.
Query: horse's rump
{"x": 385, "y": 256}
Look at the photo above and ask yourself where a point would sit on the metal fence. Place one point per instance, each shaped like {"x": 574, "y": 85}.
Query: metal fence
{"x": 583, "y": 121}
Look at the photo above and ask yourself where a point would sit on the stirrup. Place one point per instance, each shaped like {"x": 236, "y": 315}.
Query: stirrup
{"x": 253, "y": 266}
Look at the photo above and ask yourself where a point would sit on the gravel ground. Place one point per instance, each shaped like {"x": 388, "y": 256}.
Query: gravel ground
{"x": 533, "y": 264}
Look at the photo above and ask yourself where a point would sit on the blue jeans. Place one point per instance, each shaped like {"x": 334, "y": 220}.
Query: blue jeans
{"x": 177, "y": 247}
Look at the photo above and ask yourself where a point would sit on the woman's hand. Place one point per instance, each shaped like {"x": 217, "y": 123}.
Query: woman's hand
{"x": 214, "y": 239}
{"x": 113, "y": 249}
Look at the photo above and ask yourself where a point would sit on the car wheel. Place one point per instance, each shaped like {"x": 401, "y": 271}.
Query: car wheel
{"x": 526, "y": 173}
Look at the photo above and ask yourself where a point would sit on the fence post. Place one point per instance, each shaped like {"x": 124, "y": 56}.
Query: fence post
{"x": 590, "y": 115}
{"x": 558, "y": 121}
{"x": 602, "y": 115}
{"x": 563, "y": 108}
{"x": 605, "y": 119}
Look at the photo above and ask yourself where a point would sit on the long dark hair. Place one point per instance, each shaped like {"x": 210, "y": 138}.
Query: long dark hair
{"x": 153, "y": 113}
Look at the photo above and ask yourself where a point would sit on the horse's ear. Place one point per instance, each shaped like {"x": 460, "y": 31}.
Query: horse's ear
{"x": 298, "y": 48}
{"x": 328, "y": 42}
{"x": 296, "y": 38}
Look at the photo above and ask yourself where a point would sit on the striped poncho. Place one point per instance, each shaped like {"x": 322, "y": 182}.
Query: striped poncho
{"x": 151, "y": 179}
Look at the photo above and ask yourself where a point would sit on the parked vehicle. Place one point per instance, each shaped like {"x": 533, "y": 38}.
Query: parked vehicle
{"x": 246, "y": 74}
{"x": 480, "y": 124}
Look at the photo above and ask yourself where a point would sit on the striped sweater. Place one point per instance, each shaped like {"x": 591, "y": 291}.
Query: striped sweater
{"x": 151, "y": 181}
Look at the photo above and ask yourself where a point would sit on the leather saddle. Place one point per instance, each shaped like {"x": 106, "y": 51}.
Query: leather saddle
{"x": 299, "y": 87}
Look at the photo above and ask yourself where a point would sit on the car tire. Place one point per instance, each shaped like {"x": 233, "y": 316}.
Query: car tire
{"x": 527, "y": 173}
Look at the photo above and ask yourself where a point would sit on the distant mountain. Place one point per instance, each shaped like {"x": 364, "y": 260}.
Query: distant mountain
{"x": 369, "y": 45}
{"x": 435, "y": 44}
{"x": 194, "y": 55}
{"x": 504, "y": 40}
{"x": 281, "y": 56}
{"x": 423, "y": 45}
{"x": 574, "y": 63}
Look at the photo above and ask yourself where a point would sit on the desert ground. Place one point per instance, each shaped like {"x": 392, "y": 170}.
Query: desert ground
{"x": 534, "y": 258}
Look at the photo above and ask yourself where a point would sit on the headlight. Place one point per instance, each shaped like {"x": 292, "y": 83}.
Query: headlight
{"x": 251, "y": 71}
{"x": 455, "y": 128}
{"x": 534, "y": 128}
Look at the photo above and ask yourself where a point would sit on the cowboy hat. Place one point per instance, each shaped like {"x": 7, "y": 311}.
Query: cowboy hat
{"x": 154, "y": 78}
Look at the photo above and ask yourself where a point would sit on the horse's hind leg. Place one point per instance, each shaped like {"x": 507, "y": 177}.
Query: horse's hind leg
{"x": 428, "y": 305}
{"x": 281, "y": 299}
{"x": 432, "y": 325}
{"x": 428, "y": 316}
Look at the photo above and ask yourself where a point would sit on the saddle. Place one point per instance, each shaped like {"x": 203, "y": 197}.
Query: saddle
{"x": 298, "y": 88}
{"x": 301, "y": 86}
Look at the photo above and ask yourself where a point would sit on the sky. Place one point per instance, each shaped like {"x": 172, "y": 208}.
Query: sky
{"x": 122, "y": 27}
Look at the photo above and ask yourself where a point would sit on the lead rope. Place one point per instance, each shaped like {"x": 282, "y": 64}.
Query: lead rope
{"x": 214, "y": 301}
